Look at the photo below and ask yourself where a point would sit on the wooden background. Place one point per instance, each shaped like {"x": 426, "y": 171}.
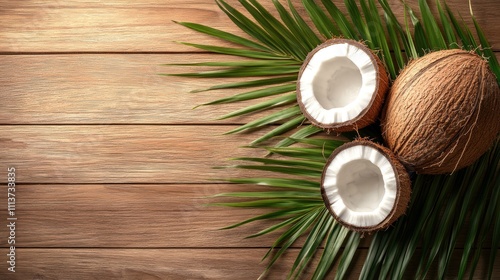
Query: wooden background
{"x": 112, "y": 163}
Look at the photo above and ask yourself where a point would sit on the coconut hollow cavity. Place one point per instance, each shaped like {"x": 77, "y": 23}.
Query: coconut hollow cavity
{"x": 342, "y": 85}
{"x": 364, "y": 186}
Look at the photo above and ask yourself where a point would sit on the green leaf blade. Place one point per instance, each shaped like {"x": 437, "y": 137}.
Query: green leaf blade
{"x": 255, "y": 94}
{"x": 324, "y": 25}
{"x": 270, "y": 119}
{"x": 224, "y": 35}
{"x": 279, "y": 101}
{"x": 432, "y": 29}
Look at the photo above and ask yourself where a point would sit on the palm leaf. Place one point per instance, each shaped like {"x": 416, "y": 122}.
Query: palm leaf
{"x": 398, "y": 33}
{"x": 291, "y": 235}
{"x": 334, "y": 241}
{"x": 281, "y": 36}
{"x": 486, "y": 50}
{"x": 223, "y": 35}
{"x": 256, "y": 94}
{"x": 432, "y": 30}
{"x": 278, "y": 48}
{"x": 359, "y": 22}
{"x": 249, "y": 27}
{"x": 434, "y": 199}
{"x": 392, "y": 30}
{"x": 272, "y": 215}
{"x": 422, "y": 44}
{"x": 235, "y": 51}
{"x": 287, "y": 223}
{"x": 459, "y": 29}
{"x": 379, "y": 36}
{"x": 304, "y": 132}
{"x": 451, "y": 39}
{"x": 283, "y": 128}
{"x": 495, "y": 242}
{"x": 312, "y": 243}
{"x": 442, "y": 207}
{"x": 250, "y": 84}
{"x": 348, "y": 255}
{"x": 296, "y": 30}
{"x": 292, "y": 163}
{"x": 306, "y": 30}
{"x": 345, "y": 27}
{"x": 271, "y": 119}
{"x": 278, "y": 101}
{"x": 279, "y": 183}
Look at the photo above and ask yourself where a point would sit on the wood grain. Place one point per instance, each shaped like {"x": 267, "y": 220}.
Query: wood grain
{"x": 146, "y": 26}
{"x": 124, "y": 215}
{"x": 120, "y": 153}
{"x": 109, "y": 89}
{"x": 113, "y": 166}
{"x": 149, "y": 216}
{"x": 173, "y": 264}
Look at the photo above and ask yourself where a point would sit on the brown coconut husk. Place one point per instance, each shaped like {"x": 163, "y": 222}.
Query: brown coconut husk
{"x": 442, "y": 112}
{"x": 371, "y": 113}
{"x": 402, "y": 179}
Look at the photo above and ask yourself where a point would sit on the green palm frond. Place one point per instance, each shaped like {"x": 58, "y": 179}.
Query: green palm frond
{"x": 442, "y": 209}
{"x": 277, "y": 50}
{"x": 437, "y": 215}
{"x": 301, "y": 208}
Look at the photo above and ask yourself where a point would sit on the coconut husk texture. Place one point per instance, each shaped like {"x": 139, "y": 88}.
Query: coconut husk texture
{"x": 403, "y": 182}
{"x": 371, "y": 113}
{"x": 442, "y": 112}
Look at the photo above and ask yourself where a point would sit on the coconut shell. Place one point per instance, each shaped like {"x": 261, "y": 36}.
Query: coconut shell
{"x": 403, "y": 182}
{"x": 442, "y": 112}
{"x": 371, "y": 113}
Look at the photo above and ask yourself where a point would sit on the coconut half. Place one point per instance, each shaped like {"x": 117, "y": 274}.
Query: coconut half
{"x": 364, "y": 186}
{"x": 341, "y": 85}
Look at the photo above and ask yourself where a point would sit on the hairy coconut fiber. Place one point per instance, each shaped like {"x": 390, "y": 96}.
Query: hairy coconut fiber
{"x": 370, "y": 113}
{"x": 400, "y": 195}
{"x": 443, "y": 112}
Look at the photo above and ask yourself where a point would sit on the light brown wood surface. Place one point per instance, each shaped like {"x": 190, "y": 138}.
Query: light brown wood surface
{"x": 107, "y": 89}
{"x": 172, "y": 264}
{"x": 113, "y": 165}
{"x": 120, "y": 153}
{"x": 141, "y": 26}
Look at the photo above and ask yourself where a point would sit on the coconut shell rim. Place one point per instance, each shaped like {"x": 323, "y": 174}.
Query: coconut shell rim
{"x": 379, "y": 92}
{"x": 403, "y": 189}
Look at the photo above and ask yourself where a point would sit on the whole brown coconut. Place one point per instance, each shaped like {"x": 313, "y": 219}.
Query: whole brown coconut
{"x": 443, "y": 112}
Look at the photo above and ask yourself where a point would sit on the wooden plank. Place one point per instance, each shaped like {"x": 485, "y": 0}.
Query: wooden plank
{"x": 109, "y": 89}
{"x": 146, "y": 26}
{"x": 153, "y": 216}
{"x": 180, "y": 228}
{"x": 119, "y": 26}
{"x": 93, "y": 89}
{"x": 120, "y": 153}
{"x": 172, "y": 264}
{"x": 123, "y": 197}
{"x": 179, "y": 264}
{"x": 168, "y": 216}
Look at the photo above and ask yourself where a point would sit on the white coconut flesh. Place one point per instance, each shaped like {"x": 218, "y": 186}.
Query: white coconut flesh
{"x": 338, "y": 83}
{"x": 361, "y": 187}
